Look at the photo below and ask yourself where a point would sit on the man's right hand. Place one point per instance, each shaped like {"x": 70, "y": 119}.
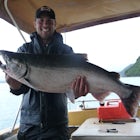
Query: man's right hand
{"x": 14, "y": 84}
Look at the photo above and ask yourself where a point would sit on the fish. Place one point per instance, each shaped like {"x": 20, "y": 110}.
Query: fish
{"x": 54, "y": 74}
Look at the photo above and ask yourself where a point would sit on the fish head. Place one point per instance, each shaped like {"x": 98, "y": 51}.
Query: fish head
{"x": 13, "y": 65}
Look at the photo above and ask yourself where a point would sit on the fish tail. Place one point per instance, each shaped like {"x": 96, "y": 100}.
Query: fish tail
{"x": 131, "y": 103}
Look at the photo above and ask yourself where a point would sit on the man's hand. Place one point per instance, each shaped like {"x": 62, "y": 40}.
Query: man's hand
{"x": 14, "y": 84}
{"x": 80, "y": 86}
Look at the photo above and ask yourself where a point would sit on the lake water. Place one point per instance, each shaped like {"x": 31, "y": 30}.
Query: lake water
{"x": 10, "y": 104}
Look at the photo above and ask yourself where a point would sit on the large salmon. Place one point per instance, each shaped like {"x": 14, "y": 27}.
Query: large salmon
{"x": 54, "y": 74}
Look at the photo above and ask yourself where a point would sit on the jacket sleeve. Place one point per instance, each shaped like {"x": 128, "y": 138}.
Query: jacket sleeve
{"x": 64, "y": 49}
{"x": 68, "y": 50}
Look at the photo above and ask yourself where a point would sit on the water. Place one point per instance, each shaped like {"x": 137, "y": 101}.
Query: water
{"x": 9, "y": 106}
{"x": 9, "y": 103}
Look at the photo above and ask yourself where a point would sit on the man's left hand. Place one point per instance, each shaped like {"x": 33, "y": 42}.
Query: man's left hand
{"x": 80, "y": 86}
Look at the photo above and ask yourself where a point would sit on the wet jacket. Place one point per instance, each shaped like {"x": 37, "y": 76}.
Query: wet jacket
{"x": 39, "y": 108}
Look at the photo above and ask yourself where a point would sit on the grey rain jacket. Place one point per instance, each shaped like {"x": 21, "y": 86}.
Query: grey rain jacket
{"x": 39, "y": 108}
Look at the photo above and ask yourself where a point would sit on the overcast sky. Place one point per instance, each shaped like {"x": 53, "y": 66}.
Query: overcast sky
{"x": 112, "y": 46}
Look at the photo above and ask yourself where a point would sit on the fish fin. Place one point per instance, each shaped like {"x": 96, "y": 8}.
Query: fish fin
{"x": 70, "y": 95}
{"x": 26, "y": 82}
{"x": 115, "y": 75}
{"x": 131, "y": 103}
{"x": 100, "y": 96}
{"x": 83, "y": 55}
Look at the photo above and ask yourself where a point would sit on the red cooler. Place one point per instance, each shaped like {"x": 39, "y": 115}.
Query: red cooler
{"x": 112, "y": 110}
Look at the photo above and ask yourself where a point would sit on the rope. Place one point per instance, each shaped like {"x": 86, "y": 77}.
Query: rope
{"x": 13, "y": 20}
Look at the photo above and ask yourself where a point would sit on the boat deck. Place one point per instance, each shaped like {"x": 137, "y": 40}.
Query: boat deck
{"x": 93, "y": 129}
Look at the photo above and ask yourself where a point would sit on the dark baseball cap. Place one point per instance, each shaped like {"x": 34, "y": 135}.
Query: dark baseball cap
{"x": 46, "y": 11}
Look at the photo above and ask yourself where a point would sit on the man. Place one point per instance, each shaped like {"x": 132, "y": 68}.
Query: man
{"x": 44, "y": 115}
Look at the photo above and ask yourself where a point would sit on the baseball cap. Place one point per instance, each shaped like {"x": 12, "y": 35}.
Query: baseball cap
{"x": 45, "y": 10}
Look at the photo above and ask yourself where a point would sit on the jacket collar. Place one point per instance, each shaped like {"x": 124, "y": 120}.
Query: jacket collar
{"x": 57, "y": 40}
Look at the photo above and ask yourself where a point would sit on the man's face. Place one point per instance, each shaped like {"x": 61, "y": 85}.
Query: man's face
{"x": 45, "y": 27}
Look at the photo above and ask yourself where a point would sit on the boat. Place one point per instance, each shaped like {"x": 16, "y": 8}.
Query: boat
{"x": 71, "y": 15}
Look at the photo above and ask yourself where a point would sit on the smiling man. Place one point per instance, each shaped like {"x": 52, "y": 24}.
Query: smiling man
{"x": 44, "y": 115}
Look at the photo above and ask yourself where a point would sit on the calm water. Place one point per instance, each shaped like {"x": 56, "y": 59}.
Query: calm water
{"x": 9, "y": 103}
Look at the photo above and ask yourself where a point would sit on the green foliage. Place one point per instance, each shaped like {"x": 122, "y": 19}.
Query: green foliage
{"x": 134, "y": 70}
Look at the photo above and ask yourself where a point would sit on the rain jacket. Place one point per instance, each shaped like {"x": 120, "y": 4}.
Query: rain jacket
{"x": 40, "y": 108}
